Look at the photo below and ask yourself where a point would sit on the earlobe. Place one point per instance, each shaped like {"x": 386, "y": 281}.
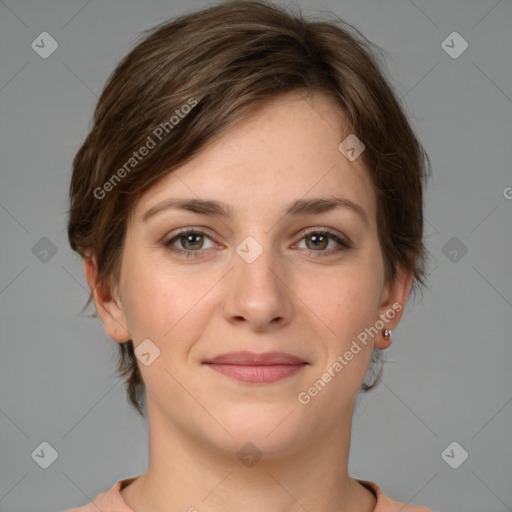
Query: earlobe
{"x": 392, "y": 307}
{"x": 108, "y": 307}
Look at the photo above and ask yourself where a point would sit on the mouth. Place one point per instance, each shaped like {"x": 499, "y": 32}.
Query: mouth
{"x": 257, "y": 368}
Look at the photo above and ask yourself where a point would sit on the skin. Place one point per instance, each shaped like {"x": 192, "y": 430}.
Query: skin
{"x": 285, "y": 300}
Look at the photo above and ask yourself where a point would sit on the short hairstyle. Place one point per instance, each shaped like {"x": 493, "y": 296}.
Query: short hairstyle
{"x": 195, "y": 76}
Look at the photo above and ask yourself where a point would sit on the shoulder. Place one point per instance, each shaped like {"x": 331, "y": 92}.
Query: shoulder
{"x": 108, "y": 501}
{"x": 386, "y": 504}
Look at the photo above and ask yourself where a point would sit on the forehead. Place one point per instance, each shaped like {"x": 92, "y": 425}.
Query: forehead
{"x": 285, "y": 149}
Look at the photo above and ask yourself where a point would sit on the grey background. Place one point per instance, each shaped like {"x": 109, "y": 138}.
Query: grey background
{"x": 449, "y": 375}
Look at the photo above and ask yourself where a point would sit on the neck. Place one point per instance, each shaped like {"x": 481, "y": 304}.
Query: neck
{"x": 185, "y": 475}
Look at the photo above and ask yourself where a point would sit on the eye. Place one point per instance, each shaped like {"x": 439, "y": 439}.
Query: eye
{"x": 317, "y": 240}
{"x": 320, "y": 238}
{"x": 191, "y": 241}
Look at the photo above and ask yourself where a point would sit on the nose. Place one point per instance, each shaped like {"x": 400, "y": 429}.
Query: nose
{"x": 259, "y": 291}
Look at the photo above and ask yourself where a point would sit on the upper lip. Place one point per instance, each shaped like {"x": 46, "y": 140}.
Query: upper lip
{"x": 254, "y": 359}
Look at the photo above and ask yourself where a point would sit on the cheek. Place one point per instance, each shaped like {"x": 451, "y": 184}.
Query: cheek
{"x": 347, "y": 301}
{"x": 162, "y": 304}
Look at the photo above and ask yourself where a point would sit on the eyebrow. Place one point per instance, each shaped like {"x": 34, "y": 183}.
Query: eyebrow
{"x": 217, "y": 209}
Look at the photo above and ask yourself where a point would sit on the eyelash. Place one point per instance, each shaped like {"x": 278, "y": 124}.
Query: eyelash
{"x": 343, "y": 243}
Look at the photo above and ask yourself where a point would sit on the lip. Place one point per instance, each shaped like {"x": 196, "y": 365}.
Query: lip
{"x": 254, "y": 367}
{"x": 247, "y": 358}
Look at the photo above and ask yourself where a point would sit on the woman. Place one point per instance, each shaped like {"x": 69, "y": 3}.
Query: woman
{"x": 248, "y": 207}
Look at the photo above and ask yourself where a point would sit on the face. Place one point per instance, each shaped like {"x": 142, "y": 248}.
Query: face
{"x": 262, "y": 277}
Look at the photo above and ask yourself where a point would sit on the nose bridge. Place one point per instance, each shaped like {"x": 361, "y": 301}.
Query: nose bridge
{"x": 257, "y": 260}
{"x": 257, "y": 292}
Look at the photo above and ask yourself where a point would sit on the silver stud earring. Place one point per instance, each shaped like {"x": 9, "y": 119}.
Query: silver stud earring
{"x": 386, "y": 333}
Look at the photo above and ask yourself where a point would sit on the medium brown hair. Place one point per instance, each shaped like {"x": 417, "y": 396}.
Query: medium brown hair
{"x": 225, "y": 60}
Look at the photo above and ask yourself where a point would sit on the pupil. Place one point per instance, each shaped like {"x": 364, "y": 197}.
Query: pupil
{"x": 190, "y": 239}
{"x": 317, "y": 239}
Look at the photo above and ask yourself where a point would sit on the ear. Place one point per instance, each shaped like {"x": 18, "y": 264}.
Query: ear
{"x": 394, "y": 299}
{"x": 107, "y": 305}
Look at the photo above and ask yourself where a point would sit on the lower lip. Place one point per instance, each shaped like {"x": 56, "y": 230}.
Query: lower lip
{"x": 257, "y": 374}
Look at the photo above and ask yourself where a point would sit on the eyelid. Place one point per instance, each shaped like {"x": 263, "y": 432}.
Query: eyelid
{"x": 188, "y": 229}
{"x": 341, "y": 239}
{"x": 175, "y": 235}
{"x": 323, "y": 229}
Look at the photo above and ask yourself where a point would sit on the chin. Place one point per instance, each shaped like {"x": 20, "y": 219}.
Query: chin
{"x": 273, "y": 429}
